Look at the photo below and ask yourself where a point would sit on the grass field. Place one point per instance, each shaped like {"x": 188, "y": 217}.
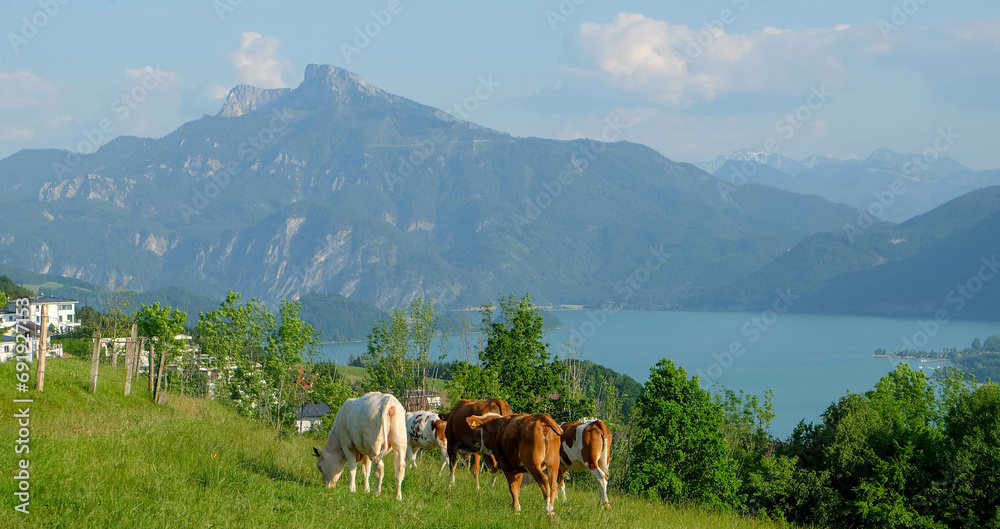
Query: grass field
{"x": 111, "y": 461}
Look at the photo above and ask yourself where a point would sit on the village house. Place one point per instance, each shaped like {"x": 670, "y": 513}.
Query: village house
{"x": 310, "y": 416}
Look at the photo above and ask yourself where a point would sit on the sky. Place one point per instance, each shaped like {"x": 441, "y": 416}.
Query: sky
{"x": 692, "y": 80}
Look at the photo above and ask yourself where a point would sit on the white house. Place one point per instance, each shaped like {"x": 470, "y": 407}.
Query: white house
{"x": 61, "y": 312}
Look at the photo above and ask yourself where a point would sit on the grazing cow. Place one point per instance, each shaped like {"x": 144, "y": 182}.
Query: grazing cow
{"x": 425, "y": 430}
{"x": 586, "y": 445}
{"x": 523, "y": 443}
{"x": 460, "y": 437}
{"x": 365, "y": 430}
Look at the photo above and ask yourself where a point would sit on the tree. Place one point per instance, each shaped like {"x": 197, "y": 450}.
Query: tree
{"x": 292, "y": 342}
{"x": 160, "y": 326}
{"x": 516, "y": 356}
{"x": 972, "y": 474}
{"x": 116, "y": 322}
{"x": 236, "y": 335}
{"x": 681, "y": 453}
{"x": 399, "y": 349}
{"x": 3, "y": 299}
{"x": 992, "y": 344}
{"x": 235, "y": 332}
{"x": 388, "y": 361}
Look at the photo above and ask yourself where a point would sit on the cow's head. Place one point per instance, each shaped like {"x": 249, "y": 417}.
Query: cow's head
{"x": 439, "y": 432}
{"x": 485, "y": 427}
{"x": 330, "y": 465}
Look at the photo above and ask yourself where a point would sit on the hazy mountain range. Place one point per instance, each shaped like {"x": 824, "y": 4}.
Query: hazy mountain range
{"x": 924, "y": 181}
{"x": 339, "y": 187}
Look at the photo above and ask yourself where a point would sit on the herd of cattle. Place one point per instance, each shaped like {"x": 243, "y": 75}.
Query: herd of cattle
{"x": 369, "y": 427}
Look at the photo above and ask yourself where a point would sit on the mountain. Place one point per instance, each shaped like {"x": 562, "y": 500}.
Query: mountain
{"x": 925, "y": 183}
{"x": 339, "y": 187}
{"x": 245, "y": 98}
{"x": 776, "y": 161}
{"x": 910, "y": 269}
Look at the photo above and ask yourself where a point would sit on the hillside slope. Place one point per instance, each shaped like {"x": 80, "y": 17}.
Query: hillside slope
{"x": 109, "y": 461}
{"x": 894, "y": 270}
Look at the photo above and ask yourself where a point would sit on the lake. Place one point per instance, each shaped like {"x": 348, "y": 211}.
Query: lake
{"x": 808, "y": 360}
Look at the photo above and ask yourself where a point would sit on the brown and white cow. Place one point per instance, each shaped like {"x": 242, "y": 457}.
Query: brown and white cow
{"x": 460, "y": 437}
{"x": 366, "y": 429}
{"x": 523, "y": 443}
{"x": 586, "y": 445}
{"x": 425, "y": 430}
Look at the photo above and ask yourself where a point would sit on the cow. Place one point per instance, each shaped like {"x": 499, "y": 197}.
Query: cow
{"x": 586, "y": 445}
{"x": 425, "y": 430}
{"x": 522, "y": 443}
{"x": 366, "y": 429}
{"x": 462, "y": 440}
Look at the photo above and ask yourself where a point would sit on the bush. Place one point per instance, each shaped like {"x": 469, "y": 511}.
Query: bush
{"x": 681, "y": 453}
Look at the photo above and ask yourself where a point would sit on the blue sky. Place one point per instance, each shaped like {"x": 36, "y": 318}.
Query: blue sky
{"x": 891, "y": 73}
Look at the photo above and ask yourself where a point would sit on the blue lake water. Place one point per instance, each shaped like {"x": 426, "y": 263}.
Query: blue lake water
{"x": 808, "y": 360}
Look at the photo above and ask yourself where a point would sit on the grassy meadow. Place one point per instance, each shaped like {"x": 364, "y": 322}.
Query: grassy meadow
{"x": 107, "y": 460}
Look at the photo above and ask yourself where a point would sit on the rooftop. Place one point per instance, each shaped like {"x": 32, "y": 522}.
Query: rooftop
{"x": 50, "y": 299}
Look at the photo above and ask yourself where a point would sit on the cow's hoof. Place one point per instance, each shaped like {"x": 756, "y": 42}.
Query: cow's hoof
{"x": 551, "y": 514}
{"x": 607, "y": 506}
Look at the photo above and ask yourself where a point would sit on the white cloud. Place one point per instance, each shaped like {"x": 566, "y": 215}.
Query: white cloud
{"x": 30, "y": 107}
{"x": 257, "y": 61}
{"x": 24, "y": 89}
{"x": 678, "y": 66}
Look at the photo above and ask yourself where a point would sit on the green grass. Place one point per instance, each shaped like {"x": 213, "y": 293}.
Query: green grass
{"x": 111, "y": 461}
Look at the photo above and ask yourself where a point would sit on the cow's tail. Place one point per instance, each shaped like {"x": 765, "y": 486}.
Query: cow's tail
{"x": 389, "y": 413}
{"x": 551, "y": 423}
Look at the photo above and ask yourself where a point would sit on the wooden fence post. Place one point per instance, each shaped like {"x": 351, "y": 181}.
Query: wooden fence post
{"x": 131, "y": 359}
{"x": 152, "y": 354}
{"x": 43, "y": 339}
{"x": 95, "y": 360}
{"x": 159, "y": 379}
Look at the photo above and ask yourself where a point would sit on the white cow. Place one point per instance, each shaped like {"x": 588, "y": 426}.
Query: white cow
{"x": 365, "y": 430}
{"x": 425, "y": 430}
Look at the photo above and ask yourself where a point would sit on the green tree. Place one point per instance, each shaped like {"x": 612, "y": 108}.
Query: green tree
{"x": 681, "y": 453}
{"x": 236, "y": 335}
{"x": 971, "y": 482}
{"x": 399, "y": 349}
{"x": 116, "y": 322}
{"x": 3, "y": 299}
{"x": 516, "y": 356}
{"x": 388, "y": 364}
{"x": 289, "y": 345}
{"x": 160, "y": 326}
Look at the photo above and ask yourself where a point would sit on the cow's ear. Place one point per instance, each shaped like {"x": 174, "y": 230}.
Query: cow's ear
{"x": 316, "y": 452}
{"x": 474, "y": 421}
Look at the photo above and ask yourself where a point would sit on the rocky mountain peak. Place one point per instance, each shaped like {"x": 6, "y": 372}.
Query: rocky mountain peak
{"x": 245, "y": 98}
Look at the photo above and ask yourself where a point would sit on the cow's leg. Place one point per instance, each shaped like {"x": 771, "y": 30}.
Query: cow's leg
{"x": 603, "y": 464}
{"x": 379, "y": 474}
{"x": 444, "y": 461}
{"x": 411, "y": 455}
{"x": 400, "y": 472}
{"x": 366, "y": 470}
{"x": 514, "y": 483}
{"x": 452, "y": 463}
{"x": 562, "y": 483}
{"x": 476, "y": 458}
{"x": 547, "y": 485}
{"x": 602, "y": 482}
{"x": 352, "y": 467}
